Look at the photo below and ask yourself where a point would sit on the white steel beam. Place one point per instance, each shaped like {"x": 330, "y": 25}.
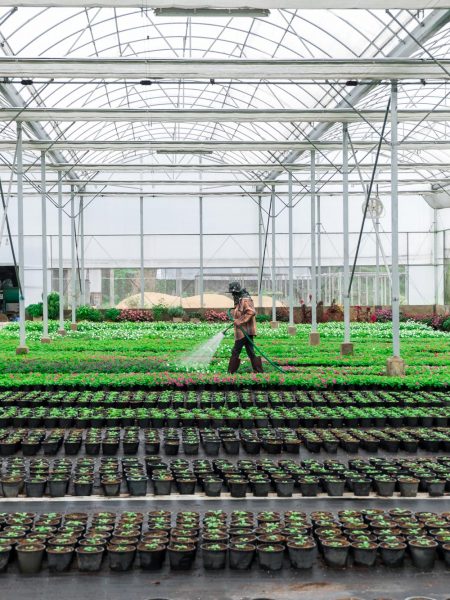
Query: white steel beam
{"x": 215, "y": 146}
{"x": 302, "y": 69}
{"x": 337, "y": 115}
{"x": 235, "y": 4}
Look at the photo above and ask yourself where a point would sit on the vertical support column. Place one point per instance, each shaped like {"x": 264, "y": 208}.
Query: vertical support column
{"x": 291, "y": 329}
{"x": 45, "y": 337}
{"x": 274, "y": 322}
{"x": 22, "y": 347}
{"x": 73, "y": 325}
{"x": 435, "y": 259}
{"x": 61, "y": 329}
{"x": 83, "y": 299}
{"x": 346, "y": 346}
{"x": 112, "y": 291}
{"x": 200, "y": 281}
{"x": 319, "y": 252}
{"x": 377, "y": 296}
{"x": 141, "y": 246}
{"x": 260, "y": 252}
{"x": 395, "y": 365}
{"x": 314, "y": 336}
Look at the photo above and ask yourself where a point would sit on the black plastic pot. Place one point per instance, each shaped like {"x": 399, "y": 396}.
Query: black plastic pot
{"x": 162, "y": 487}
{"x": 260, "y": 488}
{"x": 335, "y": 555}
{"x": 251, "y": 446}
{"x": 121, "y": 559}
{"x": 238, "y": 488}
{"x": 446, "y": 554}
{"x": 212, "y": 487}
{"x": 385, "y": 488}
{"x": 365, "y": 556}
{"x": 309, "y": 488}
{"x": 362, "y": 487}
{"x": 181, "y": 559}
{"x": 302, "y": 557}
{"x": 241, "y": 559}
{"x": 214, "y": 559}
{"x": 137, "y": 487}
{"x": 408, "y": 488}
{"x": 423, "y": 557}
{"x": 335, "y": 487}
{"x": 284, "y": 487}
{"x": 271, "y": 560}
{"x": 5, "y": 552}
{"x": 30, "y": 557}
{"x": 83, "y": 488}
{"x": 211, "y": 447}
{"x": 152, "y": 447}
{"x": 89, "y": 561}
{"x": 57, "y": 487}
{"x": 436, "y": 488}
{"x": 35, "y": 488}
{"x": 191, "y": 447}
{"x": 92, "y": 448}
{"x": 151, "y": 559}
{"x": 11, "y": 487}
{"x": 186, "y": 486}
{"x": 59, "y": 561}
{"x": 130, "y": 446}
{"x": 231, "y": 445}
{"x": 111, "y": 487}
{"x": 392, "y": 556}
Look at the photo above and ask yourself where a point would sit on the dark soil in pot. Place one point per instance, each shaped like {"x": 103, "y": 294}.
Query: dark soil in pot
{"x": 214, "y": 556}
{"x": 89, "y": 558}
{"x": 241, "y": 556}
{"x": 59, "y": 558}
{"x": 30, "y": 557}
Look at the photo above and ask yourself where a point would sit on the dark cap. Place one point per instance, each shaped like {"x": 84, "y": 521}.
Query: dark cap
{"x": 234, "y": 287}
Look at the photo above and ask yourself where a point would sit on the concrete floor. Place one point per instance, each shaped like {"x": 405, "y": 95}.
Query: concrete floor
{"x": 318, "y": 584}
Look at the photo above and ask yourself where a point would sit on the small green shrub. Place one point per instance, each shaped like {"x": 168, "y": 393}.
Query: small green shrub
{"x": 160, "y": 311}
{"x": 88, "y": 313}
{"x": 34, "y": 310}
{"x": 53, "y": 305}
{"x": 111, "y": 314}
{"x": 176, "y": 311}
{"x": 262, "y": 318}
{"x": 446, "y": 324}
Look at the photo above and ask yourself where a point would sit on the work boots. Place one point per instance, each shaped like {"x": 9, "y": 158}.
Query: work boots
{"x": 233, "y": 365}
{"x": 257, "y": 364}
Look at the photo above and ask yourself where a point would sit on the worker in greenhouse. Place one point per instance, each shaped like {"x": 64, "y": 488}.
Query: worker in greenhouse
{"x": 244, "y": 328}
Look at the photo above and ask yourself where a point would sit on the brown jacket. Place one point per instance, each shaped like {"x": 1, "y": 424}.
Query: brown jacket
{"x": 244, "y": 315}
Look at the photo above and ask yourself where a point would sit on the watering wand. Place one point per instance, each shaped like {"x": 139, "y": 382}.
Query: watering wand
{"x": 255, "y": 347}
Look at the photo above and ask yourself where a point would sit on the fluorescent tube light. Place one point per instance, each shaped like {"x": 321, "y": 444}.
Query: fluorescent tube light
{"x": 198, "y": 152}
{"x": 211, "y": 12}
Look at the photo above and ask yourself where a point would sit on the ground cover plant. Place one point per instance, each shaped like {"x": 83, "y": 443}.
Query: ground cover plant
{"x": 124, "y": 355}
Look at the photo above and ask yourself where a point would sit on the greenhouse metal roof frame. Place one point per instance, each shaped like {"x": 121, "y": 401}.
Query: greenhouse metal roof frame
{"x": 234, "y": 4}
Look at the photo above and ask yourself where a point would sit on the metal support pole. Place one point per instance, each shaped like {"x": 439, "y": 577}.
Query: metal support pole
{"x": 274, "y": 274}
{"x": 314, "y": 338}
{"x": 62, "y": 331}
{"x": 112, "y": 291}
{"x": 200, "y": 282}
{"x": 73, "y": 257}
{"x": 319, "y": 253}
{"x": 435, "y": 259}
{"x": 83, "y": 300}
{"x": 346, "y": 233}
{"x": 260, "y": 251}
{"x": 395, "y": 364}
{"x": 291, "y": 259}
{"x": 22, "y": 348}
{"x": 141, "y": 238}
{"x": 45, "y": 338}
{"x": 377, "y": 262}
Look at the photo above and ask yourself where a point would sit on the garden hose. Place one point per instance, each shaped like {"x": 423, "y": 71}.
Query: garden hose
{"x": 255, "y": 347}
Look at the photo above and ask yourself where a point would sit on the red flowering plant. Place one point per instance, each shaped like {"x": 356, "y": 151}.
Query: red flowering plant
{"x": 213, "y": 316}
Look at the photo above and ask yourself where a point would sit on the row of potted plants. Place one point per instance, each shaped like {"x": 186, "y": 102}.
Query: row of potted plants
{"x": 359, "y": 537}
{"x": 284, "y": 477}
{"x": 215, "y": 399}
{"x": 14, "y": 416}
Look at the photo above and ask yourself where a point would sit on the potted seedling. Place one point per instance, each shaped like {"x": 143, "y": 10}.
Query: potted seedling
{"x": 121, "y": 556}
{"x": 301, "y": 551}
{"x": 212, "y": 485}
{"x": 89, "y": 558}
{"x": 59, "y": 557}
{"x": 335, "y": 551}
{"x": 423, "y": 552}
{"x": 152, "y": 554}
{"x": 364, "y": 552}
{"x": 241, "y": 555}
{"x": 408, "y": 486}
{"x": 181, "y": 556}
{"x": 270, "y": 556}
{"x": 30, "y": 557}
{"x": 214, "y": 555}
{"x": 12, "y": 485}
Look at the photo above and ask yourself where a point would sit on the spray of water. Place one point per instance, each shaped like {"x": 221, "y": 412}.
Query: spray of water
{"x": 202, "y": 355}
